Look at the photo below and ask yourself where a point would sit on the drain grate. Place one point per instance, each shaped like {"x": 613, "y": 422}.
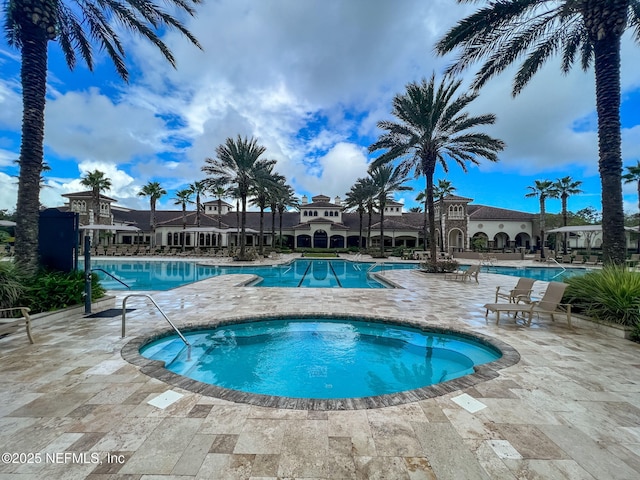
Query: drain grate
{"x": 109, "y": 313}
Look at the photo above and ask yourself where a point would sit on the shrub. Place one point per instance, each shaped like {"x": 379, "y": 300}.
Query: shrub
{"x": 441, "y": 266}
{"x": 48, "y": 291}
{"x": 11, "y": 285}
{"x": 609, "y": 295}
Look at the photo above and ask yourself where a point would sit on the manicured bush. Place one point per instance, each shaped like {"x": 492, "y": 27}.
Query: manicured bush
{"x": 441, "y": 266}
{"x": 609, "y": 295}
{"x": 48, "y": 291}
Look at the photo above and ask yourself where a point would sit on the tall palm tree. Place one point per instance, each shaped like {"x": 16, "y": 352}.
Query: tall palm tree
{"x": 29, "y": 27}
{"x": 434, "y": 127}
{"x": 542, "y": 189}
{"x": 441, "y": 190}
{"x": 534, "y": 30}
{"x": 183, "y": 198}
{"x": 286, "y": 200}
{"x": 356, "y": 199}
{"x": 98, "y": 183}
{"x": 261, "y": 191}
{"x": 198, "y": 188}
{"x": 154, "y": 191}
{"x": 633, "y": 176}
{"x": 386, "y": 181}
{"x": 565, "y": 187}
{"x": 238, "y": 164}
{"x": 219, "y": 191}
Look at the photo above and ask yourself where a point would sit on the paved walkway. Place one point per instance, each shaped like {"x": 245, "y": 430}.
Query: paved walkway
{"x": 71, "y": 407}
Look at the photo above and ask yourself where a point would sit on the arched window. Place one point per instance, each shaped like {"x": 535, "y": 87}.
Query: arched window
{"x": 326, "y": 214}
{"x": 315, "y": 213}
{"x": 305, "y": 213}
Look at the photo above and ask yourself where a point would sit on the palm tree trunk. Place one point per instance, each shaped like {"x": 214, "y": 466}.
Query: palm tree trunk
{"x": 361, "y": 211}
{"x": 382, "y": 205}
{"x": 607, "y": 72}
{"x": 542, "y": 225}
{"x": 243, "y": 222}
{"x": 280, "y": 229}
{"x": 34, "y": 86}
{"x": 261, "y": 239}
{"x": 153, "y": 222}
{"x": 565, "y": 220}
{"x": 429, "y": 168}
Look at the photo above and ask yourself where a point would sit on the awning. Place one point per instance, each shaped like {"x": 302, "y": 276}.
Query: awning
{"x": 113, "y": 228}
{"x": 7, "y": 223}
{"x": 585, "y": 228}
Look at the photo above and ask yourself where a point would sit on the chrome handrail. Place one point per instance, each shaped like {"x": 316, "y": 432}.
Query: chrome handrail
{"x": 112, "y": 276}
{"x": 124, "y": 314}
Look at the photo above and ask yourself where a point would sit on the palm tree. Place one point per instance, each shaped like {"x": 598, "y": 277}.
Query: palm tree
{"x": 198, "y": 188}
{"x": 98, "y": 183}
{"x": 154, "y": 191}
{"x": 432, "y": 127}
{"x": 506, "y": 31}
{"x": 633, "y": 175}
{"x": 542, "y": 189}
{"x": 287, "y": 199}
{"x": 356, "y": 198}
{"x": 238, "y": 164}
{"x": 440, "y": 191}
{"x": 183, "y": 198}
{"x": 219, "y": 191}
{"x": 565, "y": 187}
{"x": 422, "y": 198}
{"x": 261, "y": 191}
{"x": 29, "y": 27}
{"x": 386, "y": 181}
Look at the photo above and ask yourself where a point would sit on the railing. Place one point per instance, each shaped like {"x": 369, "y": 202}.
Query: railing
{"x": 124, "y": 314}
{"x": 115, "y": 278}
{"x": 553, "y": 260}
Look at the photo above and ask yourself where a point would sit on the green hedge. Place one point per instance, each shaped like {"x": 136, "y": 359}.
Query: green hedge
{"x": 609, "y": 295}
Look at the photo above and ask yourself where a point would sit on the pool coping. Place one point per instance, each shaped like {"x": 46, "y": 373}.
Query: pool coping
{"x": 155, "y": 368}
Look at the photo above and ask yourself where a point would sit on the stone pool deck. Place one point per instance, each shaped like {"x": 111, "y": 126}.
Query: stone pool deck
{"x": 71, "y": 407}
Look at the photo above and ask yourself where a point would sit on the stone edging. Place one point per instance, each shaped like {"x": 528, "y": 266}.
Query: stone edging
{"x": 104, "y": 303}
{"x": 155, "y": 368}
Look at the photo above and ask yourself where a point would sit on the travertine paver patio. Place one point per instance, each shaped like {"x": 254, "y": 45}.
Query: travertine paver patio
{"x": 70, "y": 404}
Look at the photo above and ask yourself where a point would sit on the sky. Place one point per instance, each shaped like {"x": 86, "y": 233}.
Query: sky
{"x": 309, "y": 80}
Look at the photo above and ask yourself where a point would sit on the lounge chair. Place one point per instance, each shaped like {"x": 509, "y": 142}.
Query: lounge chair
{"x": 579, "y": 259}
{"x": 464, "y": 275}
{"x": 521, "y": 292}
{"x": 592, "y": 260}
{"x": 10, "y": 325}
{"x": 549, "y": 304}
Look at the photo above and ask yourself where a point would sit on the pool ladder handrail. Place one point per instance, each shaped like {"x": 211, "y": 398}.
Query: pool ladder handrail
{"x": 553, "y": 260}
{"x": 112, "y": 276}
{"x": 124, "y": 314}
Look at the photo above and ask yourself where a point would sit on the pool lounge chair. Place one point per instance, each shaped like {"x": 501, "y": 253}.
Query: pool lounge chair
{"x": 520, "y": 293}
{"x": 10, "y": 325}
{"x": 464, "y": 275}
{"x": 548, "y": 304}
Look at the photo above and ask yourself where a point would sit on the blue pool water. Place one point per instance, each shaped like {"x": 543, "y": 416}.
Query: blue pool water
{"x": 547, "y": 274}
{"x": 165, "y": 275}
{"x": 321, "y": 358}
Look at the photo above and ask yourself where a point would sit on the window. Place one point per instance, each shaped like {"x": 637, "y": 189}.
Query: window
{"x": 304, "y": 214}
{"x": 326, "y": 214}
{"x": 315, "y": 214}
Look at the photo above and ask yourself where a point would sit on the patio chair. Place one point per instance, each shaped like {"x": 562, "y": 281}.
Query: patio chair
{"x": 10, "y": 325}
{"x": 592, "y": 260}
{"x": 464, "y": 275}
{"x": 521, "y": 292}
{"x": 579, "y": 259}
{"x": 549, "y": 304}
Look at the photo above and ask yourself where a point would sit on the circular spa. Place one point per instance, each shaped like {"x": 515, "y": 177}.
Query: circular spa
{"x": 323, "y": 359}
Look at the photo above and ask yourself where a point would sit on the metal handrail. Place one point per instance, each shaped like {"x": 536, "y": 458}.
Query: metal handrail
{"x": 115, "y": 278}
{"x": 124, "y": 314}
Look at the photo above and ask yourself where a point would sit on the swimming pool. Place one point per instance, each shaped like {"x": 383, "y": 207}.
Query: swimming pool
{"x": 321, "y": 358}
{"x": 165, "y": 275}
{"x": 547, "y": 274}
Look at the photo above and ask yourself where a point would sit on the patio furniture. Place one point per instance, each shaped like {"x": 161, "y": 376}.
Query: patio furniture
{"x": 10, "y": 325}
{"x": 521, "y": 292}
{"x": 464, "y": 275}
{"x": 592, "y": 260}
{"x": 548, "y": 304}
